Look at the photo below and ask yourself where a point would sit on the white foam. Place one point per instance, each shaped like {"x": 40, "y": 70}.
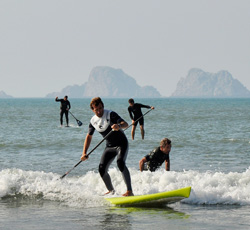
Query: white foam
{"x": 87, "y": 190}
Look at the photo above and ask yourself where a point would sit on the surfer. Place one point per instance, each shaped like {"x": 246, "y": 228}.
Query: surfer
{"x": 104, "y": 121}
{"x": 155, "y": 158}
{"x": 135, "y": 113}
{"x": 65, "y": 107}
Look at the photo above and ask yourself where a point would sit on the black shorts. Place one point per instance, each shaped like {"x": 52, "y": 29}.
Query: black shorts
{"x": 141, "y": 121}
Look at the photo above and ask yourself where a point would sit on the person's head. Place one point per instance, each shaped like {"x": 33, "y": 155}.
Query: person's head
{"x": 131, "y": 101}
{"x": 97, "y": 106}
{"x": 65, "y": 98}
{"x": 165, "y": 145}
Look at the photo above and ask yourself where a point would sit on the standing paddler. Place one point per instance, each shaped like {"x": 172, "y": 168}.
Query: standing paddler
{"x": 104, "y": 121}
{"x": 64, "y": 109}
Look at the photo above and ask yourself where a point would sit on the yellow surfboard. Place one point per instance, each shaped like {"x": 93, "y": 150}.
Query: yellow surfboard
{"x": 161, "y": 198}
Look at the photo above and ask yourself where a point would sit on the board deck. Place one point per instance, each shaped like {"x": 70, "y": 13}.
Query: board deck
{"x": 161, "y": 198}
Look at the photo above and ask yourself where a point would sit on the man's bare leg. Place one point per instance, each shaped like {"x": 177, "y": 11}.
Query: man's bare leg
{"x": 142, "y": 132}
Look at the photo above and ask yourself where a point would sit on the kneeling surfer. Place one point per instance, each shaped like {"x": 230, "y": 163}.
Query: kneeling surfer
{"x": 155, "y": 158}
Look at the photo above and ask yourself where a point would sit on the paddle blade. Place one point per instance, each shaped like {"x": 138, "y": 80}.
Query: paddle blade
{"x": 79, "y": 123}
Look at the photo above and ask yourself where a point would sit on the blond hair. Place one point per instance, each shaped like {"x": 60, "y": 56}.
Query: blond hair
{"x": 164, "y": 142}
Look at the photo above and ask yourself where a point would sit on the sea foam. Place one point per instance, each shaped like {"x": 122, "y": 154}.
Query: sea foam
{"x": 208, "y": 188}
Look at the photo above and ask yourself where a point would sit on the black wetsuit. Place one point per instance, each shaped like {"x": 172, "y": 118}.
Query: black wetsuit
{"x": 65, "y": 107}
{"x": 135, "y": 112}
{"x": 155, "y": 159}
{"x": 116, "y": 145}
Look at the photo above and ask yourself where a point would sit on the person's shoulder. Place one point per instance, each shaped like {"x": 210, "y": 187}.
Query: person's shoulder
{"x": 113, "y": 113}
{"x": 139, "y": 105}
{"x": 155, "y": 150}
{"x": 158, "y": 150}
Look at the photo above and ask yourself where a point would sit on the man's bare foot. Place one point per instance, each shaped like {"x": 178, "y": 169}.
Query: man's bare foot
{"x": 128, "y": 193}
{"x": 112, "y": 192}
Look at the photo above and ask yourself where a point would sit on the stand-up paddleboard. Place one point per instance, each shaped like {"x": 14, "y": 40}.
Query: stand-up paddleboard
{"x": 161, "y": 198}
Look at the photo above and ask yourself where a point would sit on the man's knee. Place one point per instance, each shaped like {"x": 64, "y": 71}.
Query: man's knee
{"x": 121, "y": 165}
{"x": 101, "y": 170}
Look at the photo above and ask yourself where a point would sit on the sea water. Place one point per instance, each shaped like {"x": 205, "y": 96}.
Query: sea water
{"x": 210, "y": 153}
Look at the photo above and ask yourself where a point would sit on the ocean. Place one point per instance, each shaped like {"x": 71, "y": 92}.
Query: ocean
{"x": 210, "y": 153}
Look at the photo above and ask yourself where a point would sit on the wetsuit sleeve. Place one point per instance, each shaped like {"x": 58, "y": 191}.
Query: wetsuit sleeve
{"x": 91, "y": 129}
{"x": 115, "y": 118}
{"x": 130, "y": 113}
{"x": 144, "y": 106}
{"x": 147, "y": 157}
{"x": 69, "y": 105}
{"x": 58, "y": 99}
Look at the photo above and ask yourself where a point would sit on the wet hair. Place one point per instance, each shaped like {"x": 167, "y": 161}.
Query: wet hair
{"x": 66, "y": 97}
{"x": 131, "y": 100}
{"x": 164, "y": 142}
{"x": 95, "y": 102}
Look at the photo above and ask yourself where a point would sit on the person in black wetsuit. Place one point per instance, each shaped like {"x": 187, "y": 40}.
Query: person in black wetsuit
{"x": 105, "y": 121}
{"x": 65, "y": 107}
{"x": 135, "y": 113}
{"x": 155, "y": 158}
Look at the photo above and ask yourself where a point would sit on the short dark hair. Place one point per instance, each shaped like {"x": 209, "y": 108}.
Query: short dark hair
{"x": 66, "y": 97}
{"x": 96, "y": 101}
{"x": 131, "y": 100}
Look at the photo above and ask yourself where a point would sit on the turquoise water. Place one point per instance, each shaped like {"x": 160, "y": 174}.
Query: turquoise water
{"x": 210, "y": 139}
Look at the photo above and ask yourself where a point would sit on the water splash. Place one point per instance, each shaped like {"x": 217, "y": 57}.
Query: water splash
{"x": 87, "y": 190}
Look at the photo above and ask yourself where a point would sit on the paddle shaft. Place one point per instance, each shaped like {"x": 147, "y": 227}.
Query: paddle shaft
{"x": 78, "y": 122}
{"x": 73, "y": 115}
{"x": 138, "y": 119}
{"x": 101, "y": 143}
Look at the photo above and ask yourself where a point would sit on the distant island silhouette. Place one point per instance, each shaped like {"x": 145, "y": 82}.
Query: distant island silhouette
{"x": 4, "y": 95}
{"x": 200, "y": 84}
{"x": 106, "y": 82}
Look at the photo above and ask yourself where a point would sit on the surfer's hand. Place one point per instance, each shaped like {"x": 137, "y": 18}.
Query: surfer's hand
{"x": 84, "y": 157}
{"x": 115, "y": 127}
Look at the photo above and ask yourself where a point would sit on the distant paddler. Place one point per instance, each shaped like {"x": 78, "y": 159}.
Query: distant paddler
{"x": 135, "y": 113}
{"x": 64, "y": 109}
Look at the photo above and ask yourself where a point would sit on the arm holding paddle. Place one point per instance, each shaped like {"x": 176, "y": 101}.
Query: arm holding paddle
{"x": 87, "y": 142}
{"x": 121, "y": 125}
{"x": 68, "y": 106}
{"x": 88, "y": 139}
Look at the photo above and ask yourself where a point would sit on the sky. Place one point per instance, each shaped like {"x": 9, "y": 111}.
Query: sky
{"x": 47, "y": 45}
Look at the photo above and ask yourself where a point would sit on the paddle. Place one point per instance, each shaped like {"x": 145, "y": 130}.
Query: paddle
{"x": 78, "y": 122}
{"x": 65, "y": 174}
{"x": 87, "y": 154}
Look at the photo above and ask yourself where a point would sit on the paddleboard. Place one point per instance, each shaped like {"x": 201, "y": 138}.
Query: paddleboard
{"x": 155, "y": 199}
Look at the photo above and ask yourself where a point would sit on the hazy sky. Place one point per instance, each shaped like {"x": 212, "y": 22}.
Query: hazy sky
{"x": 48, "y": 44}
